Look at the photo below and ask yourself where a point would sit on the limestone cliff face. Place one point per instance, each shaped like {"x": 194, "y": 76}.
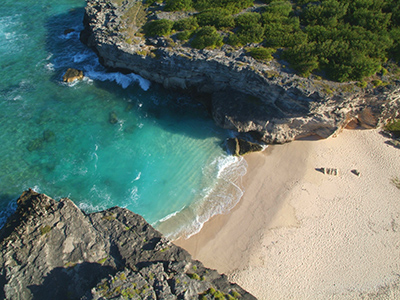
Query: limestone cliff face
{"x": 52, "y": 250}
{"x": 248, "y": 95}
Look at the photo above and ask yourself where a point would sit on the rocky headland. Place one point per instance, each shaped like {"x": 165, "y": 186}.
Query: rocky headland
{"x": 53, "y": 250}
{"x": 265, "y": 99}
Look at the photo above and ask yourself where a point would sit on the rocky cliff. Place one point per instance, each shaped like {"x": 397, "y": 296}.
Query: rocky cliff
{"x": 53, "y": 250}
{"x": 263, "y": 98}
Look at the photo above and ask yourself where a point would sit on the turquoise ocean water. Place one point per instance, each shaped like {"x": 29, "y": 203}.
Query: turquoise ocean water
{"x": 163, "y": 159}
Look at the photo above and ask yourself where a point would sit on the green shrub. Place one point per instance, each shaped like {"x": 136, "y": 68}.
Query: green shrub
{"x": 186, "y": 24}
{"x": 248, "y": 19}
{"x": 194, "y": 276}
{"x": 362, "y": 84}
{"x": 261, "y": 53}
{"x": 302, "y": 58}
{"x": 45, "y": 229}
{"x": 233, "y": 6}
{"x": 178, "y": 5}
{"x": 206, "y": 37}
{"x": 184, "y": 35}
{"x": 158, "y": 27}
{"x": 218, "y": 17}
{"x": 394, "y": 127}
{"x": 279, "y": 7}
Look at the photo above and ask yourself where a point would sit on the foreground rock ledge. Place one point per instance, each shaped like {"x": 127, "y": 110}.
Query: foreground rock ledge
{"x": 263, "y": 99}
{"x": 53, "y": 250}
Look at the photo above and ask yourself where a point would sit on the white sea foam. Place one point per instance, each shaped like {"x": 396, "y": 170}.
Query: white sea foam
{"x": 49, "y": 66}
{"x": 8, "y": 35}
{"x": 171, "y": 215}
{"x": 133, "y": 195}
{"x": 124, "y": 80}
{"x": 36, "y": 188}
{"x": 82, "y": 56}
{"x": 218, "y": 198}
{"x": 89, "y": 208}
{"x": 137, "y": 177}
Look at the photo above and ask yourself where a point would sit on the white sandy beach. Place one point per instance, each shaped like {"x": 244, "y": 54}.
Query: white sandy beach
{"x": 300, "y": 234}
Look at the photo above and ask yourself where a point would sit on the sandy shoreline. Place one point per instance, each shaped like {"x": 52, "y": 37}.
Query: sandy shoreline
{"x": 300, "y": 234}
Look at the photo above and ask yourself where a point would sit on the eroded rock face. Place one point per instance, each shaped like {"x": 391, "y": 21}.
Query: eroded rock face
{"x": 53, "y": 250}
{"x": 248, "y": 95}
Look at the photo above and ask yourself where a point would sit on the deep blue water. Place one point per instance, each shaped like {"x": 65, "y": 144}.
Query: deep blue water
{"x": 163, "y": 159}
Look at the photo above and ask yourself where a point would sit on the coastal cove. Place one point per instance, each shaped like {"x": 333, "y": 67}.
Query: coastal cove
{"x": 111, "y": 139}
{"x": 145, "y": 132}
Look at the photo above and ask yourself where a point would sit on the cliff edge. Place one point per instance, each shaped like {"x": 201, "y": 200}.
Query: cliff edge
{"x": 53, "y": 250}
{"x": 263, "y": 98}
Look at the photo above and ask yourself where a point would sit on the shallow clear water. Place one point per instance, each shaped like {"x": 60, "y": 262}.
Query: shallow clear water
{"x": 163, "y": 159}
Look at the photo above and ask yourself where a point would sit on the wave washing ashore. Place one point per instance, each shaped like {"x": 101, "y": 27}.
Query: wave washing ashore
{"x": 111, "y": 139}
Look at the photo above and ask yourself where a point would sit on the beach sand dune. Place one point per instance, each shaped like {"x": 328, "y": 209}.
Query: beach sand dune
{"x": 300, "y": 234}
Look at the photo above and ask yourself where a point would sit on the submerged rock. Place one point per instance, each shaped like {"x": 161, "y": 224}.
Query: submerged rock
{"x": 68, "y": 31}
{"x": 113, "y": 119}
{"x": 72, "y": 75}
{"x": 53, "y": 250}
{"x": 35, "y": 144}
{"x": 49, "y": 135}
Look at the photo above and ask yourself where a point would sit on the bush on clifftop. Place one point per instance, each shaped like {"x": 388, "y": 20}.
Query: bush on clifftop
{"x": 206, "y": 37}
{"x": 158, "y": 27}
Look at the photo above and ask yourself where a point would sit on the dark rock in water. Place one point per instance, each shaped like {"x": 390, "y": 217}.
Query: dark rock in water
{"x": 49, "y": 136}
{"x": 113, "y": 118}
{"x": 130, "y": 129}
{"x": 68, "y": 31}
{"x": 35, "y": 144}
{"x": 53, "y": 250}
{"x": 240, "y": 147}
{"x": 129, "y": 106}
{"x": 72, "y": 75}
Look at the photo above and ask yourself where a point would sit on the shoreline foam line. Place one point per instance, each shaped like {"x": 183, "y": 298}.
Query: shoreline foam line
{"x": 217, "y": 199}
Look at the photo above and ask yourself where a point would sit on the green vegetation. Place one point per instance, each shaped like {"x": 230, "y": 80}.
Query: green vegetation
{"x": 70, "y": 264}
{"x": 206, "y": 37}
{"x": 103, "y": 260}
{"x": 158, "y": 27}
{"x": 178, "y": 5}
{"x": 194, "y": 276}
{"x": 45, "y": 229}
{"x": 122, "y": 277}
{"x": 394, "y": 127}
{"x": 261, "y": 53}
{"x": 343, "y": 40}
{"x": 108, "y": 217}
{"x": 220, "y": 295}
{"x": 220, "y": 18}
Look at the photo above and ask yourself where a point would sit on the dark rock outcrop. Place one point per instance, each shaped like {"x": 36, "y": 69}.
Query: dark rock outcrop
{"x": 241, "y": 147}
{"x": 53, "y": 250}
{"x": 248, "y": 95}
